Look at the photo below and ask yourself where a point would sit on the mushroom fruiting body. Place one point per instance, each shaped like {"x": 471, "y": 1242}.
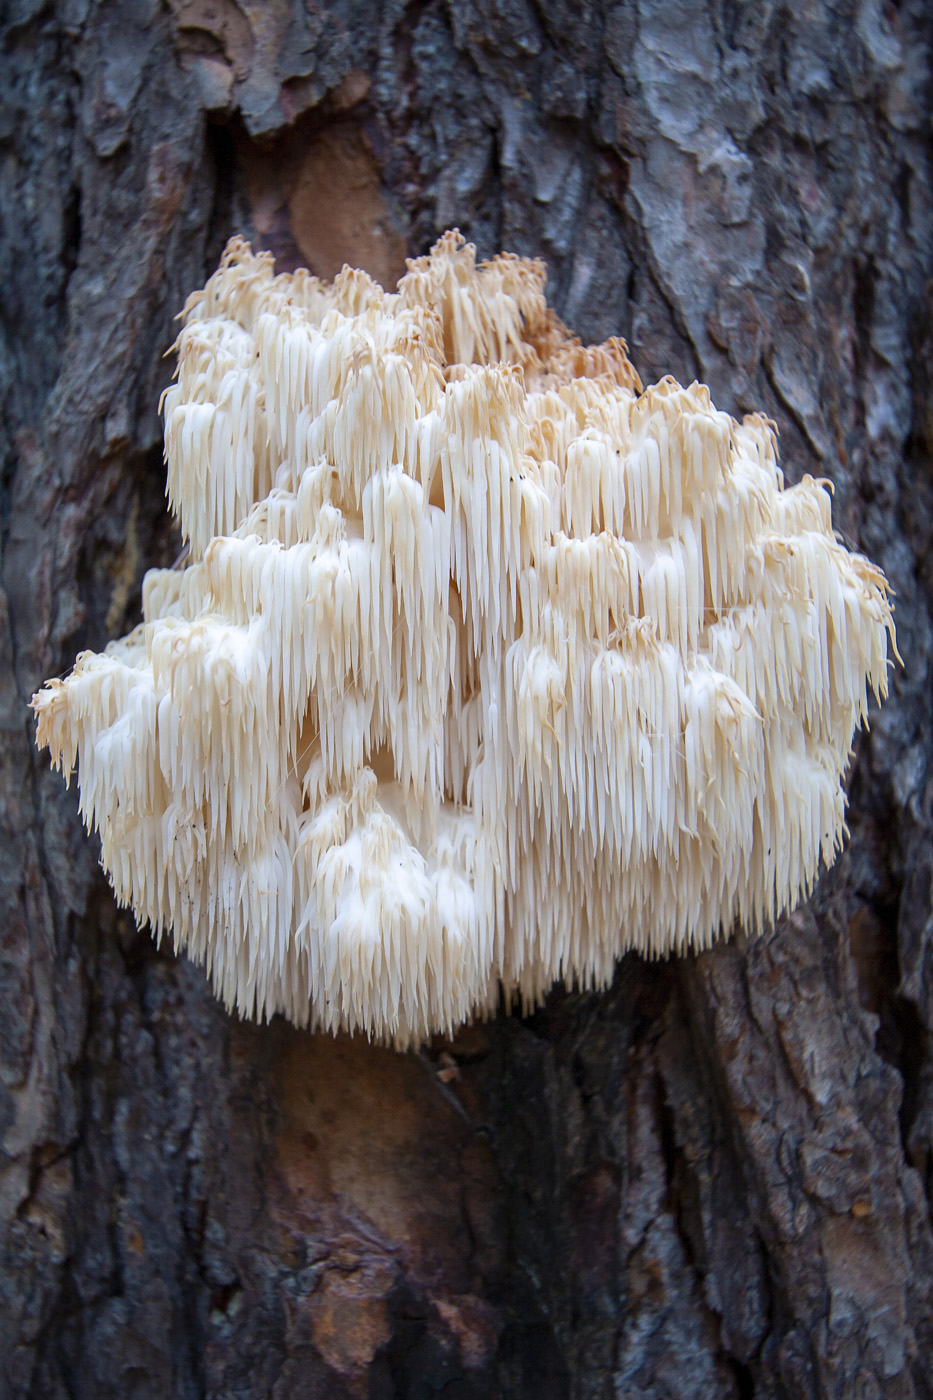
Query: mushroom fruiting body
{"x": 485, "y": 665}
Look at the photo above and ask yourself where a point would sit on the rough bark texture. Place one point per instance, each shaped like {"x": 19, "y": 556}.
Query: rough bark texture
{"x": 713, "y": 1180}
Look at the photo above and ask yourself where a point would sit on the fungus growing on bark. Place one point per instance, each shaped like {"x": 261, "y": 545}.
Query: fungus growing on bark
{"x": 485, "y": 665}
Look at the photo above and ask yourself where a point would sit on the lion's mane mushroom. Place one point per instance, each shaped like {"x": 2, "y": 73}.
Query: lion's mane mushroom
{"x": 485, "y": 666}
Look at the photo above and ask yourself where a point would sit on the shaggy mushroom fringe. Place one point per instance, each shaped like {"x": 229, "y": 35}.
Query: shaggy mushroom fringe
{"x": 486, "y": 666}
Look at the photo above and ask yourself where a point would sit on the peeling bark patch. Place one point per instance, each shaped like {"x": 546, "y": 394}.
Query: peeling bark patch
{"x": 337, "y": 212}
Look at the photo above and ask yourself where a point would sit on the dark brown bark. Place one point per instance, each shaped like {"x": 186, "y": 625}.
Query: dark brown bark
{"x": 712, "y": 1180}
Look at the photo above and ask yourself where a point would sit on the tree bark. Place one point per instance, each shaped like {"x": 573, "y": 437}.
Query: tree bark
{"x": 712, "y": 1180}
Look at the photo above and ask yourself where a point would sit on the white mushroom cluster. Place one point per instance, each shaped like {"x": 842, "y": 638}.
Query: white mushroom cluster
{"x": 485, "y": 666}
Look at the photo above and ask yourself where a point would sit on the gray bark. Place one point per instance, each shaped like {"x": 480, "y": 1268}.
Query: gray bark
{"x": 712, "y": 1180}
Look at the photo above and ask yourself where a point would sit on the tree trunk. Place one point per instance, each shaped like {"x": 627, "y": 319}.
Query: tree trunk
{"x": 712, "y": 1180}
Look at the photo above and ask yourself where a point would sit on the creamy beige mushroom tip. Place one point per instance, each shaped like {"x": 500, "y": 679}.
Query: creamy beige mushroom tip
{"x": 485, "y": 667}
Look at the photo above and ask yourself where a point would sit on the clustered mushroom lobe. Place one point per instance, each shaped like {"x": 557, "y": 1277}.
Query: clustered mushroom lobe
{"x": 485, "y": 665}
